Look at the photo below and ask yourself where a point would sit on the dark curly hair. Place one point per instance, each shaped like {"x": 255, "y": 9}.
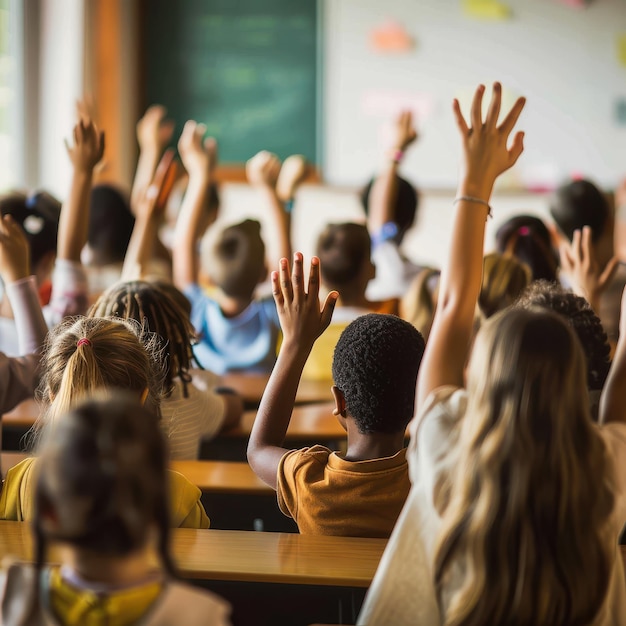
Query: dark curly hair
{"x": 159, "y": 308}
{"x": 585, "y": 323}
{"x": 375, "y": 366}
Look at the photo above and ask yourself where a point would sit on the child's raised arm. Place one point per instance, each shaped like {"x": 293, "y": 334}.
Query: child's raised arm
{"x": 148, "y": 214}
{"x": 200, "y": 160}
{"x": 154, "y": 132}
{"x": 21, "y": 286}
{"x": 485, "y": 156}
{"x": 86, "y": 152}
{"x": 17, "y": 375}
{"x": 382, "y": 198}
{"x": 302, "y": 321}
{"x": 262, "y": 171}
{"x": 613, "y": 398}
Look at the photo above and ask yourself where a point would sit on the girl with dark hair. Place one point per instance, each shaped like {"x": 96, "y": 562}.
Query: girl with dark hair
{"x": 102, "y": 493}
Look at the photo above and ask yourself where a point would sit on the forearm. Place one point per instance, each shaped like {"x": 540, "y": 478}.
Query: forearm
{"x": 140, "y": 247}
{"x": 74, "y": 219}
{"x": 613, "y": 399}
{"x": 280, "y": 224}
{"x": 184, "y": 253}
{"x": 382, "y": 198}
{"x": 29, "y": 321}
{"x": 146, "y": 167}
{"x": 276, "y": 406}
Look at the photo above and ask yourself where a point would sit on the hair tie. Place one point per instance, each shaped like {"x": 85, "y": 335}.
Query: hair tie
{"x": 523, "y": 231}
{"x": 83, "y": 342}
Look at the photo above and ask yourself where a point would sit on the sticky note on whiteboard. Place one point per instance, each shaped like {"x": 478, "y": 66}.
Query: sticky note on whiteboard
{"x": 387, "y": 103}
{"x": 486, "y": 9}
{"x": 621, "y": 50}
{"x": 575, "y": 4}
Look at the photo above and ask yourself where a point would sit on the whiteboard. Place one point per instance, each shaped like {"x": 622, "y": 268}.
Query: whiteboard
{"x": 563, "y": 60}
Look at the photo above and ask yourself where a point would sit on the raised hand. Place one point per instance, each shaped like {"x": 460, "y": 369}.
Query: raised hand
{"x": 486, "y": 153}
{"x": 88, "y": 147}
{"x": 155, "y": 198}
{"x": 578, "y": 260}
{"x": 262, "y": 169}
{"x": 302, "y": 319}
{"x": 199, "y": 156}
{"x": 405, "y": 133}
{"x": 14, "y": 251}
{"x": 154, "y": 131}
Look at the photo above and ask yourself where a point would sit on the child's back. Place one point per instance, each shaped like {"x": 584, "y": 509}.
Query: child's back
{"x": 361, "y": 492}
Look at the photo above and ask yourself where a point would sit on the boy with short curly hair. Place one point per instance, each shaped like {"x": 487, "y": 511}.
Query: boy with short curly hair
{"x": 361, "y": 492}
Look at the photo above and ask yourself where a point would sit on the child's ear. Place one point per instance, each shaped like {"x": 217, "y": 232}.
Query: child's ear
{"x": 340, "y": 406}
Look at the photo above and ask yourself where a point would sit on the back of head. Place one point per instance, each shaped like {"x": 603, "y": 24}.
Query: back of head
{"x": 526, "y": 506}
{"x": 580, "y": 316}
{"x": 86, "y": 355}
{"x": 152, "y": 305}
{"x": 527, "y": 238}
{"x": 102, "y": 482}
{"x": 236, "y": 259}
{"x": 110, "y": 225}
{"x": 405, "y": 208}
{"x": 375, "y": 365}
{"x": 38, "y": 215}
{"x": 504, "y": 278}
{"x": 343, "y": 250}
{"x": 577, "y": 204}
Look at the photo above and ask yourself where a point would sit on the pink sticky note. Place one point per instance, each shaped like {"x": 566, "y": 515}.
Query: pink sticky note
{"x": 388, "y": 103}
{"x": 575, "y": 4}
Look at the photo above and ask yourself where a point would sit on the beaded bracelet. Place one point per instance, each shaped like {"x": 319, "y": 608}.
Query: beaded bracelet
{"x": 476, "y": 200}
{"x": 396, "y": 156}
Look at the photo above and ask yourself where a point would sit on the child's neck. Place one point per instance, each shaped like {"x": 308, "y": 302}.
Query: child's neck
{"x": 366, "y": 447}
{"x": 95, "y": 567}
{"x": 232, "y": 306}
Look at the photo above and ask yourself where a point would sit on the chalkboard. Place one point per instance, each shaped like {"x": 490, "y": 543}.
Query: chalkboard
{"x": 246, "y": 68}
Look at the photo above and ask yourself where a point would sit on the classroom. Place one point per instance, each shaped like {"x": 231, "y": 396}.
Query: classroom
{"x": 311, "y": 312}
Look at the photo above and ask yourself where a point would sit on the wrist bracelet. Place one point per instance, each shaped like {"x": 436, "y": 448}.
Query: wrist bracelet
{"x": 289, "y": 206}
{"x": 476, "y": 201}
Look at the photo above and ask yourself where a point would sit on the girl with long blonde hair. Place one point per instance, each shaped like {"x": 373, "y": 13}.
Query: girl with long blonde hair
{"x": 517, "y": 498}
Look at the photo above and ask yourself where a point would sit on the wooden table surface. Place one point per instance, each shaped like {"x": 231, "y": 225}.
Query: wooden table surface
{"x": 222, "y": 477}
{"x": 248, "y": 556}
{"x": 251, "y": 387}
{"x": 308, "y": 421}
{"x": 23, "y": 415}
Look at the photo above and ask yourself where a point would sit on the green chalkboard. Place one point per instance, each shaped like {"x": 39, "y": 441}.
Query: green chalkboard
{"x": 246, "y": 68}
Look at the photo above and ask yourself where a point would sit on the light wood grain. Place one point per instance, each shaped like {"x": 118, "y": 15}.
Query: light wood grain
{"x": 222, "y": 477}
{"x": 248, "y": 556}
{"x": 308, "y": 421}
{"x": 251, "y": 387}
{"x": 23, "y": 415}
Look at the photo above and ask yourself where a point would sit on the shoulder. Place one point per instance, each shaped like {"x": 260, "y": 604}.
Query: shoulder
{"x": 16, "y": 501}
{"x": 297, "y": 459}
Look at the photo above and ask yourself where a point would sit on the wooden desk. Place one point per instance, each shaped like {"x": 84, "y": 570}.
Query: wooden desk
{"x": 222, "y": 477}
{"x": 230, "y": 555}
{"x": 309, "y": 421}
{"x": 22, "y": 416}
{"x": 251, "y": 386}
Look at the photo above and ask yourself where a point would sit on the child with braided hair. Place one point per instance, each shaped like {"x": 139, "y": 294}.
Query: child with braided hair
{"x": 85, "y": 356}
{"x": 193, "y": 407}
{"x": 101, "y": 492}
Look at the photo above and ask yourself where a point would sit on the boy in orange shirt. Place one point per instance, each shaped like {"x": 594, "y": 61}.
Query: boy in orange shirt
{"x": 361, "y": 492}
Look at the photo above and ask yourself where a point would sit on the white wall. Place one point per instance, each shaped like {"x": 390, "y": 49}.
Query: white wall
{"x": 563, "y": 60}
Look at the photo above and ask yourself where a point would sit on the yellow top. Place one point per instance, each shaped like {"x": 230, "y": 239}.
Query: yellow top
{"x": 17, "y": 503}
{"x": 76, "y": 606}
